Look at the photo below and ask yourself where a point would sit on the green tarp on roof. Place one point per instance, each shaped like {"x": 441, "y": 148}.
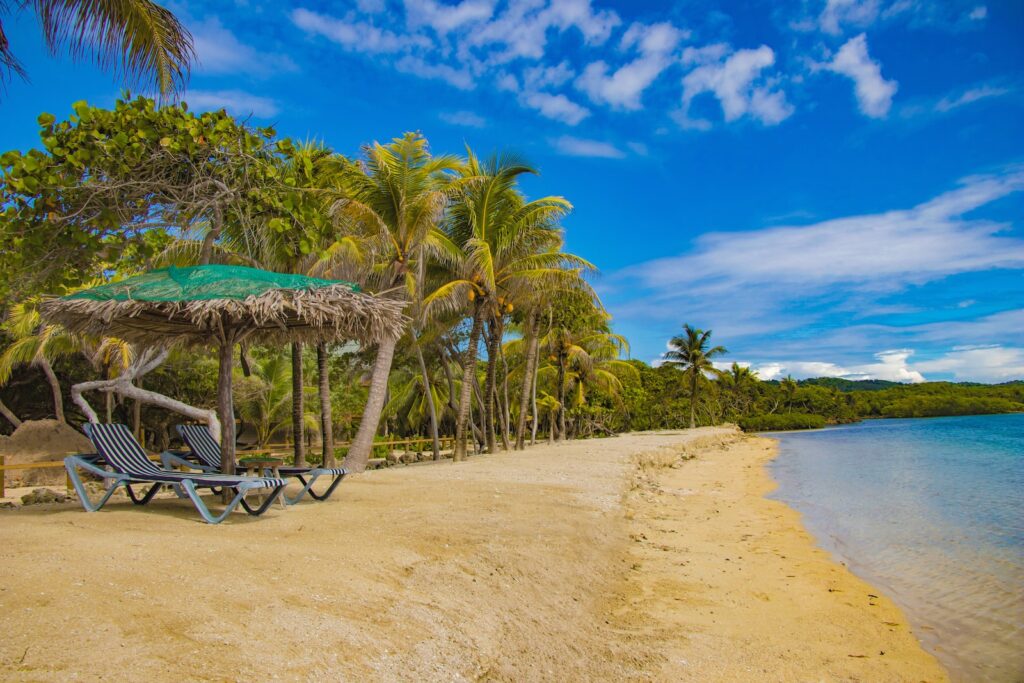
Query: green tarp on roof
{"x": 202, "y": 283}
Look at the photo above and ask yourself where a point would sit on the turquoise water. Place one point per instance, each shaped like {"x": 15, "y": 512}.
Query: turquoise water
{"x": 931, "y": 511}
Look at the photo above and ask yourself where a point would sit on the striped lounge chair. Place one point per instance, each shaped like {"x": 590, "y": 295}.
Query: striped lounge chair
{"x": 129, "y": 465}
{"x": 205, "y": 455}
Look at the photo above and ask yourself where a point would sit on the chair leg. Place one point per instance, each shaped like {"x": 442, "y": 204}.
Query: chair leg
{"x": 145, "y": 498}
{"x": 307, "y": 487}
{"x": 83, "y": 496}
{"x": 204, "y": 511}
{"x": 265, "y": 505}
{"x": 330, "y": 489}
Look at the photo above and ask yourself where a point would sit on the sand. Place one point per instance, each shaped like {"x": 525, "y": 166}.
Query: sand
{"x": 608, "y": 559}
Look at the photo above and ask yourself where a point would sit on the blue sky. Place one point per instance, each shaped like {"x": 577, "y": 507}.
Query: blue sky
{"x": 833, "y": 186}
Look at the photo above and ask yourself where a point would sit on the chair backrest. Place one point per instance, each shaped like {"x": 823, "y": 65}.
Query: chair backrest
{"x": 120, "y": 450}
{"x": 202, "y": 444}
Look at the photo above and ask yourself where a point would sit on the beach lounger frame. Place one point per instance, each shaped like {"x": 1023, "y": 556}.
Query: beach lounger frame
{"x": 204, "y": 454}
{"x": 117, "y": 448}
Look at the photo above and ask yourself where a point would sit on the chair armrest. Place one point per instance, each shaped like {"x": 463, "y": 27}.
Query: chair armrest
{"x": 89, "y": 463}
{"x": 171, "y": 459}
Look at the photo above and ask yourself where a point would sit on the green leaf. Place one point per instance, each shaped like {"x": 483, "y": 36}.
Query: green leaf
{"x": 46, "y": 119}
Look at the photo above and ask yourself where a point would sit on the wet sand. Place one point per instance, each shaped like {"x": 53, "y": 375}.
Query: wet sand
{"x": 610, "y": 559}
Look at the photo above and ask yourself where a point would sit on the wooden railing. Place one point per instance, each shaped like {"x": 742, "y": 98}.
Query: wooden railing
{"x": 272, "y": 449}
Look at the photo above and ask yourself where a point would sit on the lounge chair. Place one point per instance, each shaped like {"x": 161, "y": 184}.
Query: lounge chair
{"x": 205, "y": 454}
{"x": 117, "y": 448}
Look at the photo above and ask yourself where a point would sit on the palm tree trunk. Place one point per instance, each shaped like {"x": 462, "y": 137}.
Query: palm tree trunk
{"x": 58, "y": 398}
{"x": 693, "y": 400}
{"x": 468, "y": 372}
{"x": 524, "y": 396}
{"x": 9, "y": 414}
{"x": 561, "y": 397}
{"x": 489, "y": 390}
{"x": 533, "y": 403}
{"x": 226, "y": 405}
{"x": 452, "y": 405}
{"x": 326, "y": 418}
{"x": 505, "y": 410}
{"x": 362, "y": 445}
{"x": 298, "y": 406}
{"x": 431, "y": 408}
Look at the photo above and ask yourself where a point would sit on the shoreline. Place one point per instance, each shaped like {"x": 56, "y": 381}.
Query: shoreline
{"x": 605, "y": 559}
{"x": 763, "y": 597}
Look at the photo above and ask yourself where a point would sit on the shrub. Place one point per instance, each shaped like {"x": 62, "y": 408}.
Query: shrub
{"x": 770, "y": 423}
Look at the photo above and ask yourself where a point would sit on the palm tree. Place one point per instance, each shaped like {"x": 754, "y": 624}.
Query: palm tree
{"x": 738, "y": 381}
{"x": 138, "y": 38}
{"x": 265, "y": 398}
{"x": 395, "y": 198}
{"x": 535, "y": 304}
{"x": 582, "y": 359}
{"x": 690, "y": 352}
{"x": 39, "y": 344}
{"x": 509, "y": 246}
{"x": 789, "y": 387}
{"x": 550, "y": 405}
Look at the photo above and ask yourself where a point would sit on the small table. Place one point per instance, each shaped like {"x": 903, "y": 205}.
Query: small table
{"x": 254, "y": 467}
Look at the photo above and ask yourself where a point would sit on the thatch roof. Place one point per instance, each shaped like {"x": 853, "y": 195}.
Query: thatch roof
{"x": 193, "y": 306}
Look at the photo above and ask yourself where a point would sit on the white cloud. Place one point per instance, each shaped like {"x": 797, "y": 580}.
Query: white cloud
{"x": 638, "y": 148}
{"x": 445, "y": 18}
{"x": 355, "y": 35}
{"x": 580, "y": 147}
{"x": 237, "y": 102}
{"x": 890, "y": 366}
{"x": 837, "y": 13}
{"x": 541, "y": 76}
{"x": 874, "y": 93}
{"x": 463, "y": 118}
{"x": 624, "y": 87}
{"x": 891, "y": 249}
{"x": 218, "y": 51}
{"x": 707, "y": 54}
{"x": 978, "y": 13}
{"x": 521, "y": 31}
{"x": 984, "y": 363}
{"x": 737, "y": 83}
{"x": 458, "y": 78}
{"x": 979, "y": 364}
{"x": 557, "y": 107}
{"x": 770, "y": 286}
{"x": 970, "y": 95}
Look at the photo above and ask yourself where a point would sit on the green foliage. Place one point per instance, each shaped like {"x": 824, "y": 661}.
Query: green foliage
{"x": 105, "y": 178}
{"x": 785, "y": 421}
{"x": 850, "y": 384}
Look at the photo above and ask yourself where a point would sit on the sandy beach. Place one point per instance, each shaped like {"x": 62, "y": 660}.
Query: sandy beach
{"x": 641, "y": 557}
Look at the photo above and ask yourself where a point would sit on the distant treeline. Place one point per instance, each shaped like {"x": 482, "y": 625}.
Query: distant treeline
{"x": 659, "y": 398}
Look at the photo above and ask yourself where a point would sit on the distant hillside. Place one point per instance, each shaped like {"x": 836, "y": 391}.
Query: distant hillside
{"x": 849, "y": 384}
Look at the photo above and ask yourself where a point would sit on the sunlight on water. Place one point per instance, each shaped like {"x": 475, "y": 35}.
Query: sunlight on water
{"x": 929, "y": 511}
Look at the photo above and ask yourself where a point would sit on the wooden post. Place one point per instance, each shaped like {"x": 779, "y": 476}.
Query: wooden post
{"x": 225, "y": 403}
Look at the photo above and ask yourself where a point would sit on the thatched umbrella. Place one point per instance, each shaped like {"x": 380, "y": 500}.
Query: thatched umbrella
{"x": 224, "y": 305}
